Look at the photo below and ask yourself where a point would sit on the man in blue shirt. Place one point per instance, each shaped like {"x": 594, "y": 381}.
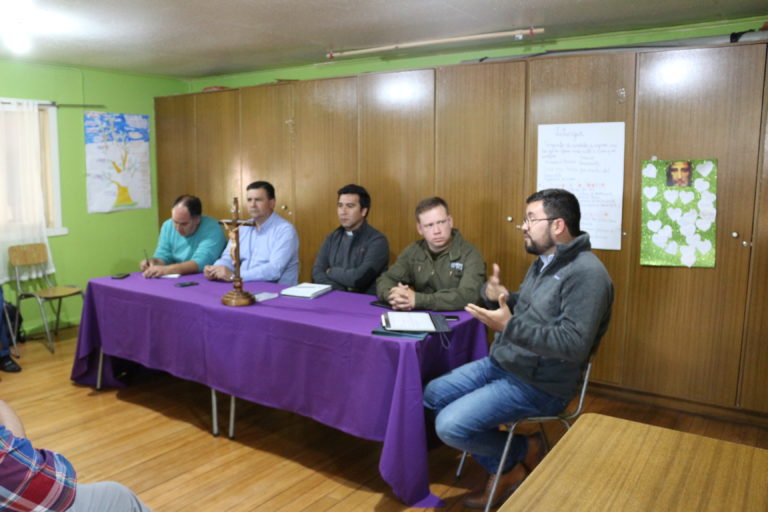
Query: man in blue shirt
{"x": 188, "y": 241}
{"x": 269, "y": 250}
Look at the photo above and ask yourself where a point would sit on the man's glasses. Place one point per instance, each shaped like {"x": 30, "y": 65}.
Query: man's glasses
{"x": 528, "y": 222}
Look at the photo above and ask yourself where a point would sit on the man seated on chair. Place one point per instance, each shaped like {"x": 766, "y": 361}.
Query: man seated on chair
{"x": 355, "y": 253}
{"x": 7, "y": 364}
{"x": 546, "y": 332}
{"x": 269, "y": 250}
{"x": 442, "y": 272}
{"x": 32, "y": 479}
{"x": 188, "y": 241}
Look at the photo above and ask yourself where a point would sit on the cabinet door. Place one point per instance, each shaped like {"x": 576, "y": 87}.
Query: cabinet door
{"x": 266, "y": 132}
{"x": 218, "y": 157}
{"x": 480, "y": 134}
{"x": 594, "y": 88}
{"x": 176, "y": 151}
{"x": 685, "y": 325}
{"x": 397, "y": 139}
{"x": 754, "y": 381}
{"x": 325, "y": 158}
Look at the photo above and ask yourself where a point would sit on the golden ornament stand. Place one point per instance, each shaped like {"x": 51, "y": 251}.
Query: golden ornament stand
{"x": 236, "y": 296}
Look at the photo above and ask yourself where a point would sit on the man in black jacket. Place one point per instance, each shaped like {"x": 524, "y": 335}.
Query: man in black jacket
{"x": 354, "y": 254}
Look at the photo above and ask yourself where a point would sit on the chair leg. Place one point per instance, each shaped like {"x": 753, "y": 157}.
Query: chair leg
{"x": 231, "y": 416}
{"x": 41, "y": 304}
{"x": 214, "y": 414}
{"x": 58, "y": 316}
{"x": 544, "y": 438}
{"x": 11, "y": 331}
{"x": 461, "y": 464}
{"x": 503, "y": 459}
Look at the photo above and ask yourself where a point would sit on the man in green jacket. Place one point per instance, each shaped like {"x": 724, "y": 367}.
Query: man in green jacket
{"x": 442, "y": 272}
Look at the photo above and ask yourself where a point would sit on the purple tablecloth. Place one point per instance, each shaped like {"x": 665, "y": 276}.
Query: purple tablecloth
{"x": 314, "y": 357}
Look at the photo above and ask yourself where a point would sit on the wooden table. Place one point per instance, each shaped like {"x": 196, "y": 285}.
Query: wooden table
{"x": 611, "y": 464}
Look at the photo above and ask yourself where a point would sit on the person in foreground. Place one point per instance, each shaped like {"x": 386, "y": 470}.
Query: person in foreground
{"x": 546, "y": 333}
{"x": 44, "y": 481}
{"x": 269, "y": 250}
{"x": 355, "y": 253}
{"x": 7, "y": 364}
{"x": 188, "y": 241}
{"x": 442, "y": 272}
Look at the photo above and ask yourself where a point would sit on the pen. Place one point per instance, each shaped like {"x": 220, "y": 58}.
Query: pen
{"x": 146, "y": 257}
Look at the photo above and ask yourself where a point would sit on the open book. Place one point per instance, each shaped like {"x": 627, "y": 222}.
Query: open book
{"x": 306, "y": 290}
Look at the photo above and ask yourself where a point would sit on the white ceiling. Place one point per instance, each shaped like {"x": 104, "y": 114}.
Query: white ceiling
{"x": 194, "y": 38}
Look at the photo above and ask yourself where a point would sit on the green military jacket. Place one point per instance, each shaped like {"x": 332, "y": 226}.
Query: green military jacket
{"x": 446, "y": 282}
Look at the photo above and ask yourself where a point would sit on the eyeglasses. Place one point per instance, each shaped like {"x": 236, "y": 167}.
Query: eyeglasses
{"x": 528, "y": 222}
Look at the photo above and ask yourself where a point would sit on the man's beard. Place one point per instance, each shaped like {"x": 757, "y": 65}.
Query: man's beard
{"x": 539, "y": 248}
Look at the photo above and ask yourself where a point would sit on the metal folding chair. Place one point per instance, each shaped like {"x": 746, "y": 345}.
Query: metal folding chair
{"x": 566, "y": 418}
{"x": 35, "y": 256}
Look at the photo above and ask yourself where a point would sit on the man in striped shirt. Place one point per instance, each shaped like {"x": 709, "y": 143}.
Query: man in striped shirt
{"x": 44, "y": 481}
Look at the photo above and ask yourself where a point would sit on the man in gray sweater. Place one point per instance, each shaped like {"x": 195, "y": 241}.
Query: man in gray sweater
{"x": 354, "y": 254}
{"x": 546, "y": 333}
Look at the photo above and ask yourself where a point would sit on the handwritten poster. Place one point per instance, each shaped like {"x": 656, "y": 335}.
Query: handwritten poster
{"x": 587, "y": 159}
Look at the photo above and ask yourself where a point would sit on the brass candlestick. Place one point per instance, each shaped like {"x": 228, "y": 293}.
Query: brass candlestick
{"x": 236, "y": 296}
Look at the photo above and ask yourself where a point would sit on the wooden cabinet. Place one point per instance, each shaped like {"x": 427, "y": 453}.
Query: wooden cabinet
{"x": 397, "y": 138}
{"x": 595, "y": 88}
{"x": 176, "y": 154}
{"x": 753, "y": 387}
{"x": 266, "y": 138}
{"x": 685, "y": 326}
{"x": 325, "y": 159}
{"x": 217, "y": 148}
{"x": 479, "y": 151}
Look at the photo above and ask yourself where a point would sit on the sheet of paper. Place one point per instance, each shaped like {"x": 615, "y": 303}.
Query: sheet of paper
{"x": 409, "y": 321}
{"x": 587, "y": 159}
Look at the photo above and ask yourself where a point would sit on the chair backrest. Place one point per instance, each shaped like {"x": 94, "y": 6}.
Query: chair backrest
{"x": 29, "y": 255}
{"x": 583, "y": 392}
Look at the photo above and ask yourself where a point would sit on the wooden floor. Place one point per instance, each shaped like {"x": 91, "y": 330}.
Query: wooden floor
{"x": 154, "y": 436}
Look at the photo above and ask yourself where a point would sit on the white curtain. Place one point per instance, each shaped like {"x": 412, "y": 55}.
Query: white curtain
{"x": 22, "y": 213}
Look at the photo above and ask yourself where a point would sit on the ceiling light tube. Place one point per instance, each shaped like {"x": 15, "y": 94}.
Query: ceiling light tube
{"x": 517, "y": 34}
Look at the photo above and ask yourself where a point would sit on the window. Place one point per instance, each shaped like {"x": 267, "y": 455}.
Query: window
{"x": 49, "y": 157}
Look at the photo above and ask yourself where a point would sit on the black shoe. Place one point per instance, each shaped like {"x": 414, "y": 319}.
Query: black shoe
{"x": 7, "y": 364}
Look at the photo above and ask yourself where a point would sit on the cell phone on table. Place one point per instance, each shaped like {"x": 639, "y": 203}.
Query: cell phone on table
{"x": 451, "y": 318}
{"x": 381, "y": 304}
{"x": 120, "y": 276}
{"x": 187, "y": 283}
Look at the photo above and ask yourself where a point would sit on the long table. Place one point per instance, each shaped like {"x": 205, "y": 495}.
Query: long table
{"x": 316, "y": 357}
{"x": 607, "y": 464}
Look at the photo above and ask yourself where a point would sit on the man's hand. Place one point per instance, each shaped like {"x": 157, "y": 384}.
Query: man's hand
{"x": 155, "y": 270}
{"x": 218, "y": 273}
{"x": 494, "y": 288}
{"x": 146, "y": 263}
{"x": 495, "y": 319}
{"x": 402, "y": 297}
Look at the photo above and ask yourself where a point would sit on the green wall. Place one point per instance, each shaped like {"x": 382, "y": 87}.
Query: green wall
{"x": 102, "y": 243}
{"x": 346, "y": 67}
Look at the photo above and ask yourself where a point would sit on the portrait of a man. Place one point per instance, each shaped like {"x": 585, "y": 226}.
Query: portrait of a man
{"x": 679, "y": 173}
